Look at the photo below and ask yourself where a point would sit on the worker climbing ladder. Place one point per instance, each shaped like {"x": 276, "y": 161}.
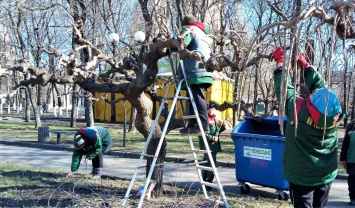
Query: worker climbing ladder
{"x": 198, "y": 164}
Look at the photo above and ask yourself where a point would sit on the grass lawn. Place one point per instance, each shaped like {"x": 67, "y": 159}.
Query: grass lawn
{"x": 26, "y": 186}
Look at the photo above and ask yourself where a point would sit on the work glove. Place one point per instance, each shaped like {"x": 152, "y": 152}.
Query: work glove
{"x": 278, "y": 55}
{"x": 302, "y": 62}
{"x": 214, "y": 139}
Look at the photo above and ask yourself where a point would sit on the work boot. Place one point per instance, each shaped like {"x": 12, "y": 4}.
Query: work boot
{"x": 96, "y": 173}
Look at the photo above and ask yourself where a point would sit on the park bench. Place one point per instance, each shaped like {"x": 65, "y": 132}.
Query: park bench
{"x": 59, "y": 132}
{"x": 44, "y": 134}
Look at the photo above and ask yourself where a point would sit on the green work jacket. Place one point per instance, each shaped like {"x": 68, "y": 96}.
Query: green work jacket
{"x": 310, "y": 153}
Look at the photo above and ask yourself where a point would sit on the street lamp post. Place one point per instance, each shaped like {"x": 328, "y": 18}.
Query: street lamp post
{"x": 124, "y": 123}
{"x": 113, "y": 38}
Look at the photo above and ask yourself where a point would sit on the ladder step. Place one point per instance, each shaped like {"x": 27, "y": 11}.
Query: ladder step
{"x": 146, "y": 155}
{"x": 189, "y": 116}
{"x": 178, "y": 97}
{"x": 215, "y": 201}
{"x": 198, "y": 150}
{"x": 204, "y": 168}
{"x": 188, "y": 161}
{"x": 210, "y": 184}
{"x": 144, "y": 166}
{"x": 185, "y": 162}
{"x": 192, "y": 162}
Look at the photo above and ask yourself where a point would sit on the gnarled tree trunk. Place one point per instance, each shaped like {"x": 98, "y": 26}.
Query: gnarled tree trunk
{"x": 143, "y": 123}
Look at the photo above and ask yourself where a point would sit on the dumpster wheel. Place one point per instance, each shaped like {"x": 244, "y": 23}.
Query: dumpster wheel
{"x": 244, "y": 188}
{"x": 283, "y": 196}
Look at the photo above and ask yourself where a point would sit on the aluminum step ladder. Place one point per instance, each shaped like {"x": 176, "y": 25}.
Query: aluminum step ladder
{"x": 198, "y": 164}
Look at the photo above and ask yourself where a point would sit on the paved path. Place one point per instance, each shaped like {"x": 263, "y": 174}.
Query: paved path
{"x": 179, "y": 174}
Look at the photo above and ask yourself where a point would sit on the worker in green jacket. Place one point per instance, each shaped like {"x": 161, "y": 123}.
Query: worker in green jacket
{"x": 310, "y": 154}
{"x": 213, "y": 143}
{"x": 91, "y": 142}
{"x": 199, "y": 79}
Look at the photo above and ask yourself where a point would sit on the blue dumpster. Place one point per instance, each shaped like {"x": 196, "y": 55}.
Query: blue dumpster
{"x": 258, "y": 154}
